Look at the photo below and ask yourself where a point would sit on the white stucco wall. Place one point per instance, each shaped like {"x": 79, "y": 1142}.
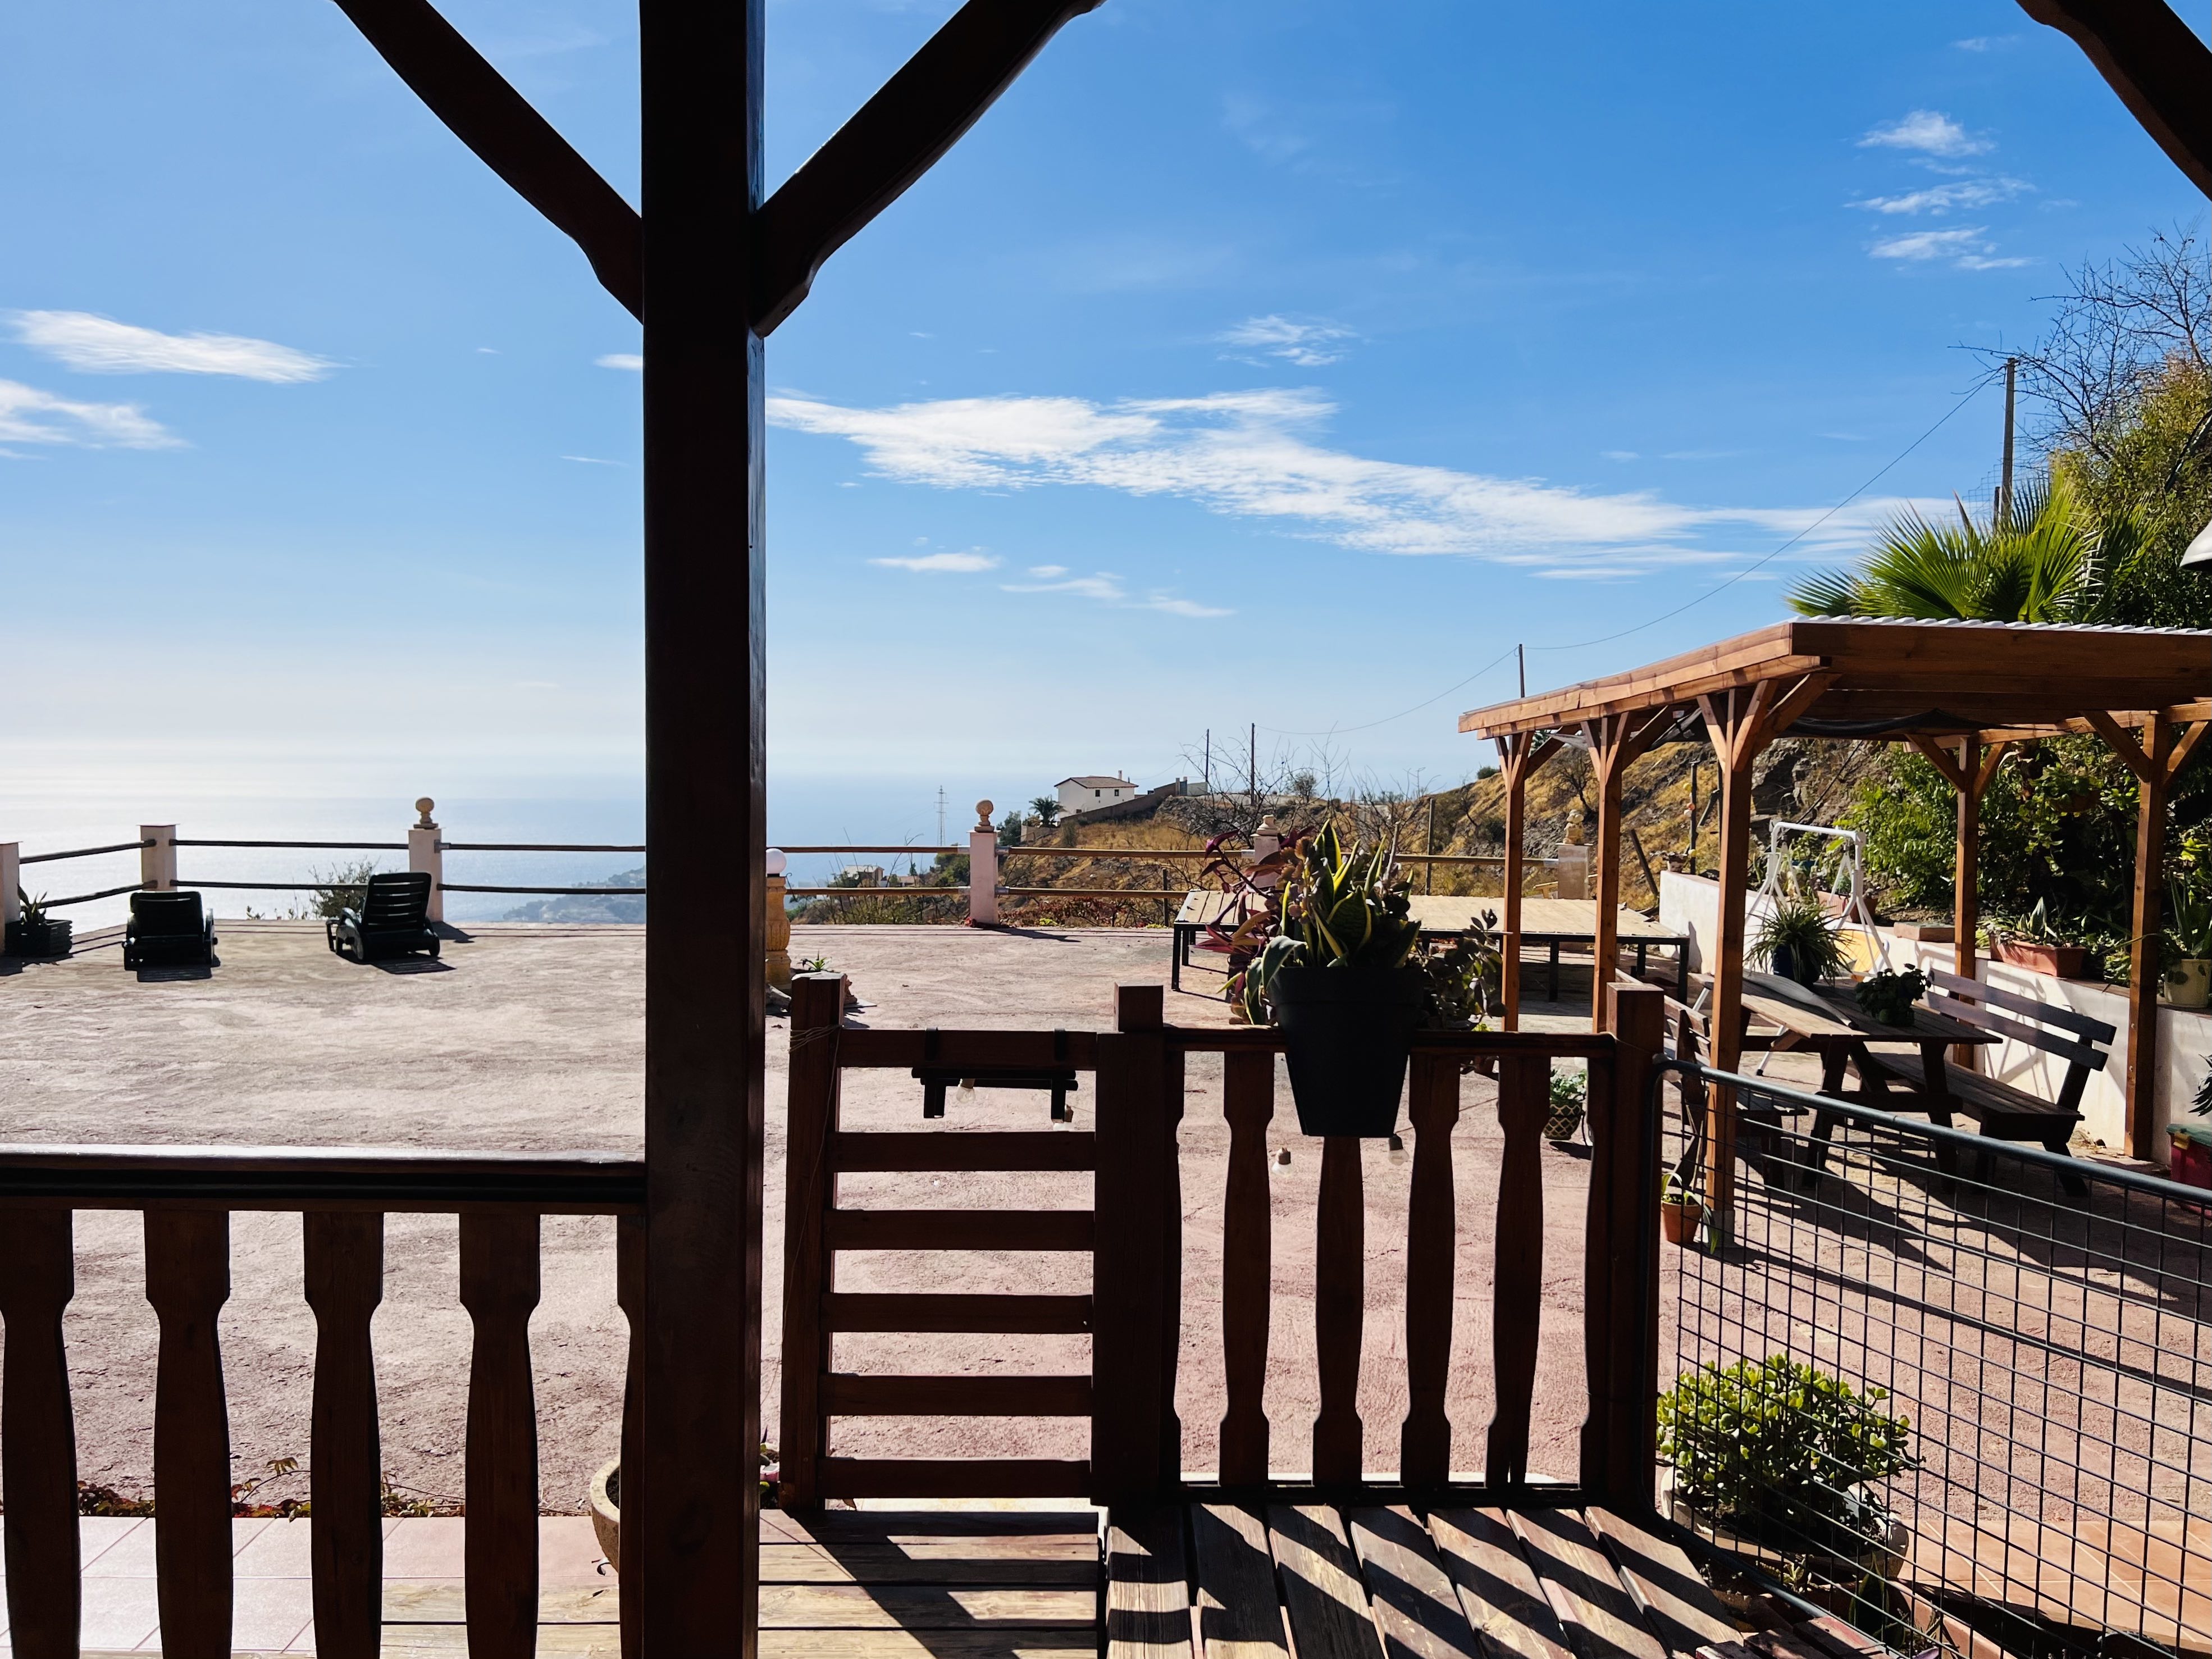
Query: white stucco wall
{"x": 1691, "y": 904}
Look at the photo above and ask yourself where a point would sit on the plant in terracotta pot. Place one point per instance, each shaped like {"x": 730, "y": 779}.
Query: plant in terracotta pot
{"x": 2038, "y": 942}
{"x": 2187, "y": 980}
{"x": 35, "y": 932}
{"x": 1799, "y": 939}
{"x": 1679, "y": 1211}
{"x": 1887, "y": 994}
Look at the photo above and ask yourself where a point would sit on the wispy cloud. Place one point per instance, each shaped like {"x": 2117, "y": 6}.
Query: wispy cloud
{"x": 1940, "y": 199}
{"x": 1107, "y": 589}
{"x": 1254, "y": 125}
{"x": 1987, "y": 42}
{"x": 625, "y": 359}
{"x": 1968, "y": 247}
{"x": 101, "y": 345}
{"x": 1927, "y": 131}
{"x": 1308, "y": 343}
{"x": 933, "y": 564}
{"x": 29, "y": 416}
{"x": 1252, "y": 454}
{"x": 594, "y": 460}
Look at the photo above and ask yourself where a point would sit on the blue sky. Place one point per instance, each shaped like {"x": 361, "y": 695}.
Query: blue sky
{"x": 1251, "y": 362}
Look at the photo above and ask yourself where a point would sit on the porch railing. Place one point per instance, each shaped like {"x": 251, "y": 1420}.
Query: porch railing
{"x": 2048, "y": 1352}
{"x": 1133, "y": 1235}
{"x": 342, "y": 1195}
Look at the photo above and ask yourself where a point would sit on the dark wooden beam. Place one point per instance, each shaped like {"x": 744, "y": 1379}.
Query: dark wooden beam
{"x": 698, "y": 1482}
{"x": 510, "y": 137}
{"x": 894, "y": 138}
{"x": 2155, "y": 61}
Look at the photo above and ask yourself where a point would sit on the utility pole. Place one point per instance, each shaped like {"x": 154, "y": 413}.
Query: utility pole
{"x": 2004, "y": 485}
{"x": 1252, "y": 770}
{"x": 1208, "y": 781}
{"x": 1520, "y": 656}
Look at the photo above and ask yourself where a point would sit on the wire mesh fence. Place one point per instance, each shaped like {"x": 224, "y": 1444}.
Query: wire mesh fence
{"x": 1958, "y": 1391}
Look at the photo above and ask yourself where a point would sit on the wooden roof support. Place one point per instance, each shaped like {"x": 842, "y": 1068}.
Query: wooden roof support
{"x": 1970, "y": 774}
{"x": 1521, "y": 754}
{"x": 510, "y": 137}
{"x": 1617, "y": 742}
{"x": 2155, "y": 62}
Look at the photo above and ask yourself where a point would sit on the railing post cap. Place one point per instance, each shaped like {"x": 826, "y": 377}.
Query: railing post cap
{"x": 1139, "y": 1007}
{"x": 424, "y": 807}
{"x": 984, "y": 810}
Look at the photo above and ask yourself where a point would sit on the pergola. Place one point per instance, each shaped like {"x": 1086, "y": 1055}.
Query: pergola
{"x": 1962, "y": 693}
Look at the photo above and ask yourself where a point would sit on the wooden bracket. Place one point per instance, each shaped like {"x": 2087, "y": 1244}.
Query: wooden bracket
{"x": 1742, "y": 720}
{"x": 2124, "y": 744}
{"x": 1953, "y": 767}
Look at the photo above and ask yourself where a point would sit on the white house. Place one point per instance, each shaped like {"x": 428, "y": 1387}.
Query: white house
{"x": 1082, "y": 794}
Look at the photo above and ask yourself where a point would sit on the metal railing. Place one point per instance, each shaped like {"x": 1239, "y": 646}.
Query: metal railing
{"x": 1957, "y": 1390}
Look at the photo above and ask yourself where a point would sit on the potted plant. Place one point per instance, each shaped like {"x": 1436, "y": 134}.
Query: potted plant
{"x": 1798, "y": 939}
{"x": 2187, "y": 982}
{"x": 1570, "y": 1099}
{"x": 1339, "y": 982}
{"x": 36, "y": 933}
{"x": 1784, "y": 1457}
{"x": 1679, "y": 1211}
{"x": 1887, "y": 996}
{"x": 2036, "y": 943}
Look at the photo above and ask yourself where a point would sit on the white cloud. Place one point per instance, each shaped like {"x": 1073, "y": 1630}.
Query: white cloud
{"x": 1107, "y": 589}
{"x": 1933, "y": 244}
{"x": 594, "y": 460}
{"x": 29, "y": 416}
{"x": 1252, "y": 454}
{"x": 628, "y": 360}
{"x": 941, "y": 563}
{"x": 1929, "y": 132}
{"x": 1046, "y": 572}
{"x": 1306, "y": 343}
{"x": 1944, "y": 198}
{"x": 1987, "y": 43}
{"x": 101, "y": 345}
{"x": 1175, "y": 607}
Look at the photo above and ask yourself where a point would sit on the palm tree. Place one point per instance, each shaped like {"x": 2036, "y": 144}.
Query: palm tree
{"x": 2040, "y": 559}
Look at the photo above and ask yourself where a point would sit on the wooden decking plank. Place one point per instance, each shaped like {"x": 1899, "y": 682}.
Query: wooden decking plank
{"x": 887, "y": 1526}
{"x": 1600, "y": 1616}
{"x": 1677, "y": 1604}
{"x": 998, "y": 1643}
{"x": 895, "y": 1606}
{"x": 1238, "y": 1616}
{"x": 1147, "y": 1583}
{"x": 1498, "y": 1591}
{"x": 1415, "y": 1605}
{"x": 1324, "y": 1598}
{"x": 976, "y": 1561}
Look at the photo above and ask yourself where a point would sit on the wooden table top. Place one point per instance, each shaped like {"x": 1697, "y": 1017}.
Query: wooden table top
{"x": 1824, "y": 1014}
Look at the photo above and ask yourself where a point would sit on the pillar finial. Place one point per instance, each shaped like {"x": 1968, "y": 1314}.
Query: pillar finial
{"x": 983, "y": 815}
{"x": 423, "y": 808}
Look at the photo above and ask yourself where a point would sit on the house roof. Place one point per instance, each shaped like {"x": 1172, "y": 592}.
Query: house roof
{"x": 1895, "y": 679}
{"x": 1095, "y": 783}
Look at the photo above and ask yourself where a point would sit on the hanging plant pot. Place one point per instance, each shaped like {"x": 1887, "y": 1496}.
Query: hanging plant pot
{"x": 1347, "y": 1033}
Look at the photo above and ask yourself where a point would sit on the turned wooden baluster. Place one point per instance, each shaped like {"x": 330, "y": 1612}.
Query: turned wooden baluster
{"x": 188, "y": 1280}
{"x": 346, "y": 1281}
{"x": 38, "y": 1435}
{"x": 1247, "y": 1265}
{"x": 1340, "y": 1295}
{"x": 498, "y": 1287}
{"x": 629, "y": 1295}
{"x": 1431, "y": 1243}
{"x": 1524, "y": 1099}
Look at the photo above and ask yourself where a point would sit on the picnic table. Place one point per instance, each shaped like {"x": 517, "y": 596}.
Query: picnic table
{"x": 1825, "y": 1019}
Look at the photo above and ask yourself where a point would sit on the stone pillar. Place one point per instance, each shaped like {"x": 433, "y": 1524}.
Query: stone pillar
{"x": 983, "y": 869}
{"x": 11, "y": 880}
{"x": 157, "y": 864}
{"x": 426, "y": 852}
{"x": 1267, "y": 841}
{"x": 778, "y": 929}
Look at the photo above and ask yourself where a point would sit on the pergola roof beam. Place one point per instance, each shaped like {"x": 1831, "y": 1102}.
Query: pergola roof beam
{"x": 893, "y": 139}
{"x": 2156, "y": 63}
{"x": 509, "y": 136}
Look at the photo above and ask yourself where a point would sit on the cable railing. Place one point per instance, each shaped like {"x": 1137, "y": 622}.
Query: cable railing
{"x": 1971, "y": 1412}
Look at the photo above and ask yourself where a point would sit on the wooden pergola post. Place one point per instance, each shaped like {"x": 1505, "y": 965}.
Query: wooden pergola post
{"x": 1616, "y": 741}
{"x": 1519, "y": 754}
{"x": 2155, "y": 760}
{"x": 1969, "y": 775}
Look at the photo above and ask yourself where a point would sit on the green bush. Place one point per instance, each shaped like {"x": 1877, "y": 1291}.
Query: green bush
{"x": 1779, "y": 1453}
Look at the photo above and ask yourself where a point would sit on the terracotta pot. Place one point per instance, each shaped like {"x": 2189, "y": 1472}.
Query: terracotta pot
{"x": 2060, "y": 961}
{"x": 606, "y": 1511}
{"x": 1679, "y": 1219}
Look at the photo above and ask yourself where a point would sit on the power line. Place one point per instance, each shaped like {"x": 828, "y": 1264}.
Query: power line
{"x": 1972, "y": 393}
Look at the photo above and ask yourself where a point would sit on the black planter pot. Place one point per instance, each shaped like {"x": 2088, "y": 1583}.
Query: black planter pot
{"x": 1346, "y": 1033}
{"x": 50, "y": 938}
{"x": 1781, "y": 962}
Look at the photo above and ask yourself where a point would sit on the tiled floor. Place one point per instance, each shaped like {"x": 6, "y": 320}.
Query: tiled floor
{"x": 273, "y": 1598}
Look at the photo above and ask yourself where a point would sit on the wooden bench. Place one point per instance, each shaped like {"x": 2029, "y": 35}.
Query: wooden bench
{"x": 2002, "y": 1111}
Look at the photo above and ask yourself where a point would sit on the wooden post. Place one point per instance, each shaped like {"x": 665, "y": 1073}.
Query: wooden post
{"x": 38, "y": 1435}
{"x": 817, "y": 1013}
{"x": 1616, "y": 742}
{"x": 697, "y": 1503}
{"x": 1620, "y": 1331}
{"x": 1340, "y": 1309}
{"x": 1132, "y": 1270}
{"x": 188, "y": 1280}
{"x": 1247, "y": 1261}
{"x": 499, "y": 1289}
{"x": 345, "y": 1261}
{"x": 1969, "y": 774}
{"x": 1521, "y": 754}
{"x": 1432, "y": 1245}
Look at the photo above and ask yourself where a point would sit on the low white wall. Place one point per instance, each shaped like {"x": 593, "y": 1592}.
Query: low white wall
{"x": 1691, "y": 904}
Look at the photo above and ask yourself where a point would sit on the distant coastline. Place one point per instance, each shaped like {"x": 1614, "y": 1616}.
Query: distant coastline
{"x": 581, "y": 908}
